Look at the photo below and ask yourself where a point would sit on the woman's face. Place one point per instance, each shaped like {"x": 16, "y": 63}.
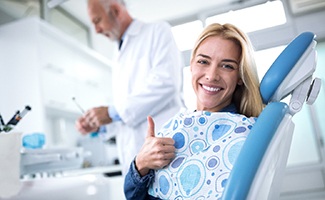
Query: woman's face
{"x": 215, "y": 73}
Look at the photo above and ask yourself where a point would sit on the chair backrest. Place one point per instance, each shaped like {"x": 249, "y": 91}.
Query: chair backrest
{"x": 259, "y": 168}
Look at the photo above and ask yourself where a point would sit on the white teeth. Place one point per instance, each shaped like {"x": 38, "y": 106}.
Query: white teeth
{"x": 212, "y": 89}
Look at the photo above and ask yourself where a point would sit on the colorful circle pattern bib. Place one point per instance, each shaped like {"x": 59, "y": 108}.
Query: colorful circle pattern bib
{"x": 207, "y": 145}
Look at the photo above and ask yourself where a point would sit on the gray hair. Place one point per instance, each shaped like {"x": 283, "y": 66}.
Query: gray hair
{"x": 106, "y": 3}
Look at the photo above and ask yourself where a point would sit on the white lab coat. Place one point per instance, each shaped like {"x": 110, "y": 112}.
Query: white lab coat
{"x": 146, "y": 81}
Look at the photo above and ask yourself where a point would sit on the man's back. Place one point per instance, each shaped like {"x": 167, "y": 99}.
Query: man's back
{"x": 147, "y": 81}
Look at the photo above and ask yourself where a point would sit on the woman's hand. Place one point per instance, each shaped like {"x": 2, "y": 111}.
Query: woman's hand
{"x": 156, "y": 152}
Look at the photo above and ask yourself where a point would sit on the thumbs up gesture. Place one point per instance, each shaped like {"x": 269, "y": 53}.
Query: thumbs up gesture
{"x": 156, "y": 152}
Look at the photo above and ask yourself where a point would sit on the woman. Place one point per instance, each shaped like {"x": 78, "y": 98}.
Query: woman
{"x": 192, "y": 155}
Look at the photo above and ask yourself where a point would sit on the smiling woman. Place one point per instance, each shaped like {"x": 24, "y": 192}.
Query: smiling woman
{"x": 191, "y": 156}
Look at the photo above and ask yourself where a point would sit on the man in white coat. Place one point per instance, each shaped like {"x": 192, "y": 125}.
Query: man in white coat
{"x": 146, "y": 81}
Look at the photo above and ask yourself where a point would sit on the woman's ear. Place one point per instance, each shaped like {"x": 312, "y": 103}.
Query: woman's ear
{"x": 240, "y": 82}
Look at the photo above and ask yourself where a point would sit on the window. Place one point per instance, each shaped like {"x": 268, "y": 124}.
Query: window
{"x": 186, "y": 34}
{"x": 253, "y": 18}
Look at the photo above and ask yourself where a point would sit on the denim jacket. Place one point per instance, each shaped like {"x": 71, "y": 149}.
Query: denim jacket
{"x": 135, "y": 186}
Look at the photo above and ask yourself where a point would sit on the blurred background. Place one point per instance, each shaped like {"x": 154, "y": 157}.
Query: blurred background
{"x": 50, "y": 53}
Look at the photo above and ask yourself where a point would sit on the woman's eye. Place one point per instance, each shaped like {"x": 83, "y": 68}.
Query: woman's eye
{"x": 228, "y": 67}
{"x": 203, "y": 62}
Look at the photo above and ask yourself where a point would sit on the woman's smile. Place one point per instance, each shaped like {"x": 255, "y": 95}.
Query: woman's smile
{"x": 211, "y": 89}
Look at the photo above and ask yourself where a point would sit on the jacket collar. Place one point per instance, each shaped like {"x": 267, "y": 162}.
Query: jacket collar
{"x": 133, "y": 29}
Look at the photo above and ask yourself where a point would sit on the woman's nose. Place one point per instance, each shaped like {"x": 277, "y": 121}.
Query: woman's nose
{"x": 212, "y": 74}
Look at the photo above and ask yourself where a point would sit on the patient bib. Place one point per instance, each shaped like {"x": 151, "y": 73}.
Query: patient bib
{"x": 207, "y": 145}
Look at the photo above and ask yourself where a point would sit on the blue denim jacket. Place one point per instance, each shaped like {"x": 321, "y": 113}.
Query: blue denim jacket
{"x": 136, "y": 187}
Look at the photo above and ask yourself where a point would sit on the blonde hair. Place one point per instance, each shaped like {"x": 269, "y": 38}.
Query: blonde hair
{"x": 247, "y": 97}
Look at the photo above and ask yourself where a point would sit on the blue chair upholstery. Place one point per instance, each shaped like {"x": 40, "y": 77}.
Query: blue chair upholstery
{"x": 259, "y": 168}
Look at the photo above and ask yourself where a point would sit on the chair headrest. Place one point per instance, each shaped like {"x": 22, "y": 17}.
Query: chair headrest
{"x": 290, "y": 60}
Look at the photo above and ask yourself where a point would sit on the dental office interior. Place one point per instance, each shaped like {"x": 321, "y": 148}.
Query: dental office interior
{"x": 54, "y": 62}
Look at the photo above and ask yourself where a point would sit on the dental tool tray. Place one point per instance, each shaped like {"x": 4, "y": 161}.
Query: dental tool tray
{"x": 35, "y": 161}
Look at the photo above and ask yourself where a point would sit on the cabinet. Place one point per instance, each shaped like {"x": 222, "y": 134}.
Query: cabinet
{"x": 44, "y": 68}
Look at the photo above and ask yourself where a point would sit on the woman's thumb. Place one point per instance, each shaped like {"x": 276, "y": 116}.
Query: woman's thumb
{"x": 151, "y": 127}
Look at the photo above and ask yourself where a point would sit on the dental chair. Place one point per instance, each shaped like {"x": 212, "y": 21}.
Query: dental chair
{"x": 260, "y": 167}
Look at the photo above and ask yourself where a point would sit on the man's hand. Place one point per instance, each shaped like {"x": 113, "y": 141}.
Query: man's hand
{"x": 93, "y": 119}
{"x": 156, "y": 152}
